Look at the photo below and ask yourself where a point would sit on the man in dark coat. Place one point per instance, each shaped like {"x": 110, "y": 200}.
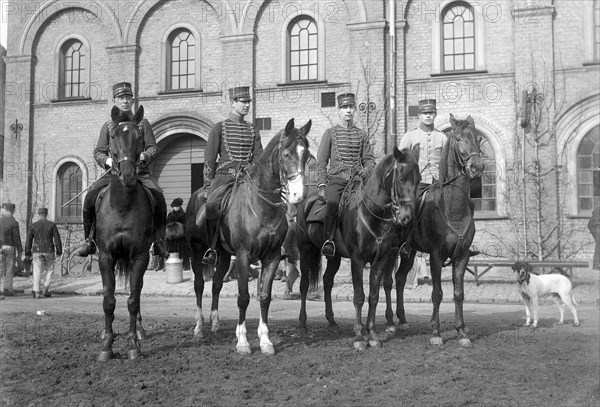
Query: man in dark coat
{"x": 44, "y": 245}
{"x": 10, "y": 248}
{"x": 123, "y": 99}
{"x": 594, "y": 227}
{"x": 175, "y": 235}
{"x": 236, "y": 143}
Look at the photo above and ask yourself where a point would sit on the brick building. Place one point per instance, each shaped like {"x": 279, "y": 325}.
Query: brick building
{"x": 484, "y": 58}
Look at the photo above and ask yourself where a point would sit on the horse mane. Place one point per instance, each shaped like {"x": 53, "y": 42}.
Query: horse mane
{"x": 273, "y": 145}
{"x": 445, "y": 158}
{"x": 382, "y": 165}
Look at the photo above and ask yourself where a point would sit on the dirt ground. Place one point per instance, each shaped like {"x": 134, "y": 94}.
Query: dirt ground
{"x": 50, "y": 360}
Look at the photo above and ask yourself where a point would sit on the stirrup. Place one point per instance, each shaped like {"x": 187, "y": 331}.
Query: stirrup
{"x": 89, "y": 247}
{"x": 210, "y": 257}
{"x": 328, "y": 248}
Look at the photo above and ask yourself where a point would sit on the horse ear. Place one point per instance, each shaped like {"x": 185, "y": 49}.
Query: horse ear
{"x": 399, "y": 155}
{"x": 289, "y": 126}
{"x": 139, "y": 115}
{"x": 453, "y": 120}
{"x": 470, "y": 120}
{"x": 416, "y": 150}
{"x": 306, "y": 128}
{"x": 114, "y": 113}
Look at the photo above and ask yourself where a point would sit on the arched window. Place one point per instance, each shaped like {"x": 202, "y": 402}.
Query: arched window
{"x": 69, "y": 184}
{"x": 458, "y": 37}
{"x": 588, "y": 171}
{"x": 181, "y": 60}
{"x": 72, "y": 70}
{"x": 485, "y": 198}
{"x": 303, "y": 49}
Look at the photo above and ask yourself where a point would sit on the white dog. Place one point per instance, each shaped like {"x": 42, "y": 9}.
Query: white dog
{"x": 532, "y": 287}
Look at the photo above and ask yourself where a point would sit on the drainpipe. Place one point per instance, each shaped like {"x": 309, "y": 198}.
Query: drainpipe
{"x": 392, "y": 19}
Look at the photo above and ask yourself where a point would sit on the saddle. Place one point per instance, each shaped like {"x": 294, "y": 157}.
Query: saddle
{"x": 317, "y": 211}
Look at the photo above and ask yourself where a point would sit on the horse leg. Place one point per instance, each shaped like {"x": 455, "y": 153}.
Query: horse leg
{"x": 375, "y": 276}
{"x": 242, "y": 264}
{"x": 458, "y": 280}
{"x": 198, "y": 269}
{"x": 333, "y": 265}
{"x": 136, "y": 278}
{"x": 436, "y": 297}
{"x": 107, "y": 266}
{"x": 140, "y": 332}
{"x": 405, "y": 265}
{"x": 217, "y": 286}
{"x": 310, "y": 264}
{"x": 359, "y": 299}
{"x": 388, "y": 283}
{"x": 269, "y": 265}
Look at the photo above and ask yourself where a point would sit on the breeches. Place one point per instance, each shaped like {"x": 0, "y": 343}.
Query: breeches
{"x": 218, "y": 187}
{"x": 42, "y": 263}
{"x": 334, "y": 189}
{"x": 7, "y": 264}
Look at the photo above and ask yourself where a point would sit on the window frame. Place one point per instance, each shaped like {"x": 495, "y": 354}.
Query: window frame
{"x": 165, "y": 58}
{"x": 595, "y": 171}
{"x": 462, "y": 40}
{"x": 175, "y": 34}
{"x": 59, "y": 200}
{"x": 291, "y": 26}
{"x": 59, "y": 65}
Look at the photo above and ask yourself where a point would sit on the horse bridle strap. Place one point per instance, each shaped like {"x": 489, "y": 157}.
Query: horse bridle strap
{"x": 378, "y": 239}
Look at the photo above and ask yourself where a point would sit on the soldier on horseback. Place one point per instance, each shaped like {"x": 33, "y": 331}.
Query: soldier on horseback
{"x": 345, "y": 151}
{"x": 431, "y": 143}
{"x": 123, "y": 99}
{"x": 237, "y": 144}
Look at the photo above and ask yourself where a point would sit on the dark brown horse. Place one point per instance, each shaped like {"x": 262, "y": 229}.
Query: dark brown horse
{"x": 370, "y": 231}
{"x": 253, "y": 227}
{"x": 444, "y": 227}
{"x": 124, "y": 230}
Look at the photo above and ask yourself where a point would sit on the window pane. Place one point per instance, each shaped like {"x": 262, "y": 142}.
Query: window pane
{"x": 174, "y": 82}
{"x": 585, "y": 190}
{"x": 469, "y": 61}
{"x": 183, "y": 51}
{"x": 585, "y": 177}
{"x": 585, "y": 204}
{"x": 312, "y": 57}
{"x": 469, "y": 45}
{"x": 458, "y": 27}
{"x": 295, "y": 29}
{"x": 449, "y": 63}
{"x": 312, "y": 41}
{"x": 458, "y": 46}
{"x": 191, "y": 67}
{"x": 191, "y": 52}
{"x": 175, "y": 54}
{"x": 192, "y": 81}
{"x": 448, "y": 31}
{"x": 448, "y": 47}
{"x": 295, "y": 43}
{"x": 303, "y": 73}
{"x": 584, "y": 162}
{"x": 295, "y": 58}
{"x": 468, "y": 29}
{"x": 295, "y": 73}
{"x": 303, "y": 39}
{"x": 304, "y": 57}
{"x": 458, "y": 62}
{"x": 183, "y": 68}
{"x": 175, "y": 68}
{"x": 312, "y": 70}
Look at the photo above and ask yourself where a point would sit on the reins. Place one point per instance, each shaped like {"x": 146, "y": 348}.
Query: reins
{"x": 117, "y": 161}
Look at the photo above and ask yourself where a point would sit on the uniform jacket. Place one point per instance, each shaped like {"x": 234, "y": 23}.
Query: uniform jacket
{"x": 233, "y": 141}
{"x": 343, "y": 151}
{"x": 9, "y": 233}
{"x": 103, "y": 145}
{"x": 431, "y": 145}
{"x": 43, "y": 237}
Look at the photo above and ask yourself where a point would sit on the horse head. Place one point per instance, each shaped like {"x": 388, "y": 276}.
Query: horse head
{"x": 293, "y": 154}
{"x": 403, "y": 178}
{"x": 464, "y": 145}
{"x": 126, "y": 144}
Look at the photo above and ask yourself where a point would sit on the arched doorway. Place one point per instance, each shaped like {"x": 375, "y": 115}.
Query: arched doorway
{"x": 179, "y": 166}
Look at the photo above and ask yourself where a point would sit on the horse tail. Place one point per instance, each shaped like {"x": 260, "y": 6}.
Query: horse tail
{"x": 123, "y": 267}
{"x": 310, "y": 255}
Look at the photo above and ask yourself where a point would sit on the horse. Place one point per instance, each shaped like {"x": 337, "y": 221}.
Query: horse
{"x": 124, "y": 230}
{"x": 370, "y": 231}
{"x": 444, "y": 228}
{"x": 253, "y": 227}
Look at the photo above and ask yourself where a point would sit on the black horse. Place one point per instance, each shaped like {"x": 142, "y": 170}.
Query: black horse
{"x": 444, "y": 227}
{"x": 371, "y": 230}
{"x": 253, "y": 227}
{"x": 124, "y": 230}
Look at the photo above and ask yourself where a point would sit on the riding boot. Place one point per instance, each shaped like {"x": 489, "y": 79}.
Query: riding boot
{"x": 211, "y": 257}
{"x": 160, "y": 224}
{"x": 46, "y": 292}
{"x": 328, "y": 248}
{"x": 89, "y": 246}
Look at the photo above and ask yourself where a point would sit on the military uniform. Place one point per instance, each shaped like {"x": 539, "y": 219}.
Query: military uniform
{"x": 344, "y": 152}
{"x": 44, "y": 244}
{"x": 10, "y": 247}
{"x": 236, "y": 144}
{"x": 101, "y": 155}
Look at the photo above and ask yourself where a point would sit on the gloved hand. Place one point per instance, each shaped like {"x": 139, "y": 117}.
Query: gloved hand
{"x": 143, "y": 160}
{"x": 364, "y": 173}
{"x": 109, "y": 162}
{"x": 322, "y": 193}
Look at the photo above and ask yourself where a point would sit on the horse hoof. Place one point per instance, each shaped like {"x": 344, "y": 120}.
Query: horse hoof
{"x": 133, "y": 354}
{"x": 267, "y": 349}
{"x": 375, "y": 344}
{"x": 198, "y": 334}
{"x": 360, "y": 345}
{"x": 575, "y": 323}
{"x": 465, "y": 343}
{"x": 141, "y": 335}
{"x": 244, "y": 350}
{"x": 404, "y": 326}
{"x": 106, "y": 355}
{"x": 390, "y": 329}
{"x": 436, "y": 340}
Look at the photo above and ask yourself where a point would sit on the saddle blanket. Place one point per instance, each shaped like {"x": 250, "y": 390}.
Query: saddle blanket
{"x": 317, "y": 212}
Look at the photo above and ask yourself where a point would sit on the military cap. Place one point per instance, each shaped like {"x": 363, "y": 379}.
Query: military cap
{"x": 9, "y": 206}
{"x": 176, "y": 202}
{"x": 241, "y": 93}
{"x": 43, "y": 211}
{"x": 122, "y": 88}
{"x": 427, "y": 105}
{"x": 346, "y": 99}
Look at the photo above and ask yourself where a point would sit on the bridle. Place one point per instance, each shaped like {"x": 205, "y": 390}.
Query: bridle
{"x": 115, "y": 168}
{"x": 458, "y": 156}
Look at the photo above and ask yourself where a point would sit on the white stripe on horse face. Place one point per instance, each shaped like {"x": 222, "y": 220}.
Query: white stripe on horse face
{"x": 296, "y": 188}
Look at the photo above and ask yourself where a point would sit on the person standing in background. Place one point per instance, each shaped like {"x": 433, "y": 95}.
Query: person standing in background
{"x": 10, "y": 248}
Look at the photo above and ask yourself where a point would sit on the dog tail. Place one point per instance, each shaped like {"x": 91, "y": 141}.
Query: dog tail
{"x": 573, "y": 299}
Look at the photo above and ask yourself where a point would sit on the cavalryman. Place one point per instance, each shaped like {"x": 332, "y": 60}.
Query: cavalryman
{"x": 431, "y": 143}
{"x": 237, "y": 145}
{"x": 123, "y": 99}
{"x": 345, "y": 151}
